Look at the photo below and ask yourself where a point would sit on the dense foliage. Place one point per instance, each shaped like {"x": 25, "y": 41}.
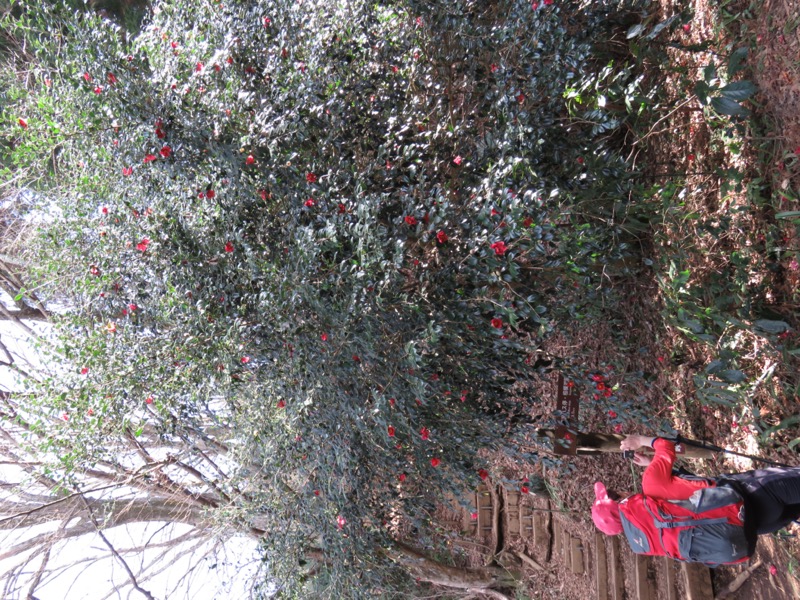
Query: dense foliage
{"x": 327, "y": 234}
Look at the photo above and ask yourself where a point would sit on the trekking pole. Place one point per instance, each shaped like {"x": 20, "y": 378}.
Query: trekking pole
{"x": 679, "y": 439}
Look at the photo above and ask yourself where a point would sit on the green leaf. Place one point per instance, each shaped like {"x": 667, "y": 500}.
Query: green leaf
{"x": 635, "y": 31}
{"x": 728, "y": 106}
{"x": 769, "y": 326}
{"x": 788, "y": 214}
{"x": 732, "y": 376}
{"x": 738, "y": 90}
{"x": 735, "y": 60}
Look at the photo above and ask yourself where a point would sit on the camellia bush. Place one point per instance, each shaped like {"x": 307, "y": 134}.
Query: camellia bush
{"x": 325, "y": 234}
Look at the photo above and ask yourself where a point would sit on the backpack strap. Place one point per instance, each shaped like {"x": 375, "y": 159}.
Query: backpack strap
{"x": 688, "y": 521}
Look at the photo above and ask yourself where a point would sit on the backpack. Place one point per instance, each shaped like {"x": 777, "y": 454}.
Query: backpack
{"x": 707, "y": 528}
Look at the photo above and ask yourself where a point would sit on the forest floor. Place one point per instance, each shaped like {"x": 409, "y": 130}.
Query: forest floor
{"x": 749, "y": 246}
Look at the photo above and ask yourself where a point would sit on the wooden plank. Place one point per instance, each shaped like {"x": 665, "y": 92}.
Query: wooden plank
{"x": 600, "y": 566}
{"x": 512, "y": 514}
{"x": 556, "y": 537}
{"x": 542, "y": 533}
{"x": 566, "y": 546}
{"x": 698, "y": 581}
{"x": 641, "y": 581}
{"x": 576, "y": 556}
{"x": 617, "y": 572}
{"x": 669, "y": 570}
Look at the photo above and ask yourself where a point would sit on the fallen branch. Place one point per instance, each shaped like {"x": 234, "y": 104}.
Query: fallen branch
{"x": 529, "y": 561}
{"x": 738, "y": 582}
{"x": 491, "y": 594}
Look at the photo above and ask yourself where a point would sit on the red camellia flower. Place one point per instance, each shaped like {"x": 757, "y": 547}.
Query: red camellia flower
{"x": 499, "y": 248}
{"x": 127, "y": 171}
{"x": 340, "y": 522}
{"x": 497, "y": 323}
{"x": 87, "y": 77}
{"x": 245, "y": 360}
{"x": 229, "y": 247}
{"x": 342, "y": 208}
{"x": 111, "y": 327}
{"x": 324, "y": 337}
{"x": 210, "y": 194}
{"x": 493, "y": 68}
{"x": 111, "y": 78}
{"x": 249, "y": 160}
{"x": 142, "y": 246}
{"x": 309, "y": 203}
{"x": 411, "y": 220}
{"x": 435, "y": 462}
{"x": 84, "y": 370}
{"x": 281, "y": 404}
{"x": 98, "y": 89}
{"x": 23, "y": 123}
{"x": 425, "y": 433}
{"x": 390, "y": 431}
{"x": 441, "y": 236}
{"x": 267, "y": 21}
{"x": 524, "y": 489}
{"x": 392, "y": 401}
{"x": 483, "y": 474}
{"x": 90, "y": 412}
{"x": 149, "y": 158}
{"x": 104, "y": 210}
{"x": 165, "y": 151}
{"x": 457, "y": 160}
{"x": 401, "y": 478}
{"x": 65, "y": 416}
{"x": 521, "y": 98}
{"x": 612, "y": 414}
{"x": 198, "y": 67}
{"x": 148, "y": 400}
{"x": 132, "y": 307}
{"x": 311, "y": 178}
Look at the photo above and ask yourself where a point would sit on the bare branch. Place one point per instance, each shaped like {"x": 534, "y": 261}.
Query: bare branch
{"x": 116, "y": 554}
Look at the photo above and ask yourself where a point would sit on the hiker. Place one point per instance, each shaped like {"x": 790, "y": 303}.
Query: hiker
{"x": 710, "y": 520}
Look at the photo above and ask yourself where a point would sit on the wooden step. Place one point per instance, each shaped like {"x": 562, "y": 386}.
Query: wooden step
{"x": 698, "y": 581}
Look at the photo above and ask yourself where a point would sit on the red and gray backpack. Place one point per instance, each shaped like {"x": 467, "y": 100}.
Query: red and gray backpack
{"x": 707, "y": 528}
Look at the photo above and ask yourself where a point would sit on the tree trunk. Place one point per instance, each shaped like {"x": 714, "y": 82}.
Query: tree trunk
{"x": 430, "y": 571}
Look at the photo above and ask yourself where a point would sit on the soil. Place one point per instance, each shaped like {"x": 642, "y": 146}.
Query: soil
{"x": 772, "y": 27}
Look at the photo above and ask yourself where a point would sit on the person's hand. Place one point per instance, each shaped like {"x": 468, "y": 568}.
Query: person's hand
{"x": 641, "y": 459}
{"x": 634, "y": 442}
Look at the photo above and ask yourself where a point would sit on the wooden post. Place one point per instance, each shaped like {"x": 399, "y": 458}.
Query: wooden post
{"x": 600, "y": 566}
{"x": 576, "y": 556}
{"x": 669, "y": 570}
{"x": 640, "y": 577}
{"x": 617, "y": 573}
